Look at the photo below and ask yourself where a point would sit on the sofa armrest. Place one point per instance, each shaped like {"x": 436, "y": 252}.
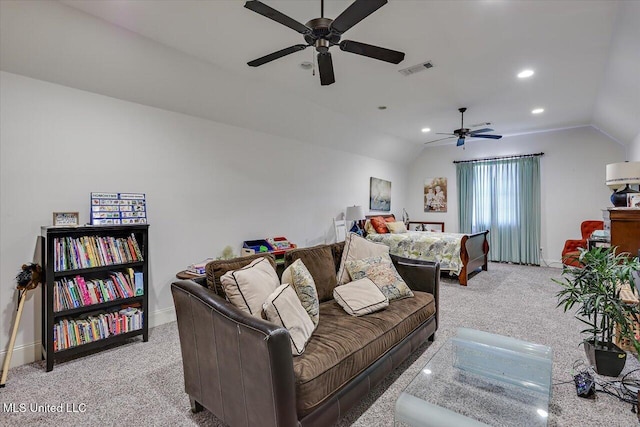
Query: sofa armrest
{"x": 421, "y": 276}
{"x": 233, "y": 360}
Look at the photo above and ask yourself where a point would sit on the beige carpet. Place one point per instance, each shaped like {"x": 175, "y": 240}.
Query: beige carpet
{"x": 141, "y": 383}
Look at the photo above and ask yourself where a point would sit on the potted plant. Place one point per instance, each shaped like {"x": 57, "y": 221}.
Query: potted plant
{"x": 594, "y": 288}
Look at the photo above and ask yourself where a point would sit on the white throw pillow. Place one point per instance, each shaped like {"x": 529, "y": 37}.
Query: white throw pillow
{"x": 283, "y": 308}
{"x": 360, "y": 297}
{"x": 397, "y": 227}
{"x": 356, "y": 247}
{"x": 299, "y": 277}
{"x": 248, "y": 287}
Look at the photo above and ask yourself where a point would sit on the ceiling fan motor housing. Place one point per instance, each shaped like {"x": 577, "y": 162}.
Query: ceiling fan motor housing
{"x": 321, "y": 36}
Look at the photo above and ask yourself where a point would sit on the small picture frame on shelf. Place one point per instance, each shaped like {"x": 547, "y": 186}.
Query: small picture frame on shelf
{"x": 633, "y": 200}
{"x": 66, "y": 219}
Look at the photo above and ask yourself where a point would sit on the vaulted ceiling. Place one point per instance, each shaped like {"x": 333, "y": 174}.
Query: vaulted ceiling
{"x": 586, "y": 58}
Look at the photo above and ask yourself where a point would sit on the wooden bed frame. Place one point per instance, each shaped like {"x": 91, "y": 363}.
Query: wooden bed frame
{"x": 473, "y": 251}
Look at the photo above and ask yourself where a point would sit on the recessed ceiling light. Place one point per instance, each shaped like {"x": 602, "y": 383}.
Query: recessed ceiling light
{"x": 525, "y": 73}
{"x": 537, "y": 111}
{"x": 425, "y": 130}
{"x": 382, "y": 107}
{"x": 306, "y": 65}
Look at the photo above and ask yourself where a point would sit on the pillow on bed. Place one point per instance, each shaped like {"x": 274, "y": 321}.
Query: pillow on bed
{"x": 381, "y": 271}
{"x": 368, "y": 227}
{"x": 397, "y": 227}
{"x": 379, "y": 224}
{"x": 356, "y": 247}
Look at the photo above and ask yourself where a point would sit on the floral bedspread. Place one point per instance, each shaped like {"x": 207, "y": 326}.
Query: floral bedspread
{"x": 425, "y": 245}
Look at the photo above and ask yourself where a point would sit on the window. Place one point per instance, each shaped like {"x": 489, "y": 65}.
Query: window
{"x": 502, "y": 196}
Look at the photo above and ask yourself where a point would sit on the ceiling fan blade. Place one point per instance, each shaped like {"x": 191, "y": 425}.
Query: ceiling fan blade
{"x": 486, "y": 136}
{"x": 279, "y": 17}
{"x": 371, "y": 51}
{"x": 325, "y": 67}
{"x": 460, "y": 142}
{"x": 275, "y": 55}
{"x": 442, "y": 133}
{"x": 441, "y": 139}
{"x": 481, "y": 130}
{"x": 356, "y": 12}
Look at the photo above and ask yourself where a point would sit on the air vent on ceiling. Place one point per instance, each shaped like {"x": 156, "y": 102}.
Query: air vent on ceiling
{"x": 416, "y": 68}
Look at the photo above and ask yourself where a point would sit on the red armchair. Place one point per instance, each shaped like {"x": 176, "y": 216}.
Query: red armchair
{"x": 571, "y": 251}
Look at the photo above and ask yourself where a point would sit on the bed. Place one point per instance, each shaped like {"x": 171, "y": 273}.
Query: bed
{"x": 460, "y": 254}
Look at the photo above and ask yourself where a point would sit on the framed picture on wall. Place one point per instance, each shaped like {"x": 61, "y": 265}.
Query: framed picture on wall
{"x": 379, "y": 195}
{"x": 435, "y": 194}
{"x": 66, "y": 219}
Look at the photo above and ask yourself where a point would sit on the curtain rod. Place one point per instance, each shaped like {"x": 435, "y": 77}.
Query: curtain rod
{"x": 499, "y": 158}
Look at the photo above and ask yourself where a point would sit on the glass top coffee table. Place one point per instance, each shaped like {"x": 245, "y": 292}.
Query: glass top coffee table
{"x": 477, "y": 378}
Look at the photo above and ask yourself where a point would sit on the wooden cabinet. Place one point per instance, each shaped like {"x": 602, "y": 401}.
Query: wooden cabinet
{"x": 625, "y": 229}
{"x": 96, "y": 288}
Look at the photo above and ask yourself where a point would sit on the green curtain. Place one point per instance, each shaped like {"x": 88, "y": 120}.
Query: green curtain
{"x": 502, "y": 196}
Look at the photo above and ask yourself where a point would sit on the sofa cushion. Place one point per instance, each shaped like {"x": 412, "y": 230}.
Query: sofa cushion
{"x": 356, "y": 247}
{"x": 299, "y": 277}
{"x": 216, "y": 269}
{"x": 319, "y": 262}
{"x": 248, "y": 287}
{"x": 342, "y": 346}
{"x": 381, "y": 271}
{"x": 283, "y": 308}
{"x": 360, "y": 297}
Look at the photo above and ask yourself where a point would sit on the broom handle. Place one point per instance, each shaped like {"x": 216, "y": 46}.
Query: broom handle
{"x": 12, "y": 341}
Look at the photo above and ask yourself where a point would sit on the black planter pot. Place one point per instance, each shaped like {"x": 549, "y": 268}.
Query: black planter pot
{"x": 608, "y": 359}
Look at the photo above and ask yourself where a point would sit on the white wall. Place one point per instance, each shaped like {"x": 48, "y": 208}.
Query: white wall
{"x": 634, "y": 150}
{"x": 208, "y": 184}
{"x": 572, "y": 179}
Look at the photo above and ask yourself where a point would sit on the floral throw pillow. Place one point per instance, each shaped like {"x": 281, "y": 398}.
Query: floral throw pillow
{"x": 380, "y": 270}
{"x": 301, "y": 280}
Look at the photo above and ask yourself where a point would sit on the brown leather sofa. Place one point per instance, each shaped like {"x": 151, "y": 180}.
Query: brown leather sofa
{"x": 241, "y": 368}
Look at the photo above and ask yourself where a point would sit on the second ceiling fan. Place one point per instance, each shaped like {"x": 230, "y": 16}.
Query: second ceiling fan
{"x": 322, "y": 33}
{"x": 464, "y": 133}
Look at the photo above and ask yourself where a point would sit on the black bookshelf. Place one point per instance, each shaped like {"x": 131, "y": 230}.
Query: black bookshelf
{"x": 51, "y": 317}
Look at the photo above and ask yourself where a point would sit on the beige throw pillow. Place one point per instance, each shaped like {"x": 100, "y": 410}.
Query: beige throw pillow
{"x": 397, "y": 227}
{"x": 381, "y": 271}
{"x": 283, "y": 308}
{"x": 360, "y": 297}
{"x": 356, "y": 247}
{"x": 248, "y": 287}
{"x": 302, "y": 281}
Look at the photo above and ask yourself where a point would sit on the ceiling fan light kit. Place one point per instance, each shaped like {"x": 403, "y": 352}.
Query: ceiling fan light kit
{"x": 323, "y": 33}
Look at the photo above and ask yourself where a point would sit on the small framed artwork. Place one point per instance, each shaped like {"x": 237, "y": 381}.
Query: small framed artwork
{"x": 66, "y": 219}
{"x": 435, "y": 194}
{"x": 379, "y": 195}
{"x": 633, "y": 200}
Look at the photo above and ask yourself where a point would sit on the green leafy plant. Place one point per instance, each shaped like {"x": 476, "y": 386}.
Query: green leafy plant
{"x": 595, "y": 289}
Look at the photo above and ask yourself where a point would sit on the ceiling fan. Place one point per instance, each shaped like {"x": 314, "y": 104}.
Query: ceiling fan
{"x": 322, "y": 33}
{"x": 463, "y": 132}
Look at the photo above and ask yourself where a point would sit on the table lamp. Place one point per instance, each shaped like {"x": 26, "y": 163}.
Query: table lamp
{"x": 618, "y": 178}
{"x": 355, "y": 214}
